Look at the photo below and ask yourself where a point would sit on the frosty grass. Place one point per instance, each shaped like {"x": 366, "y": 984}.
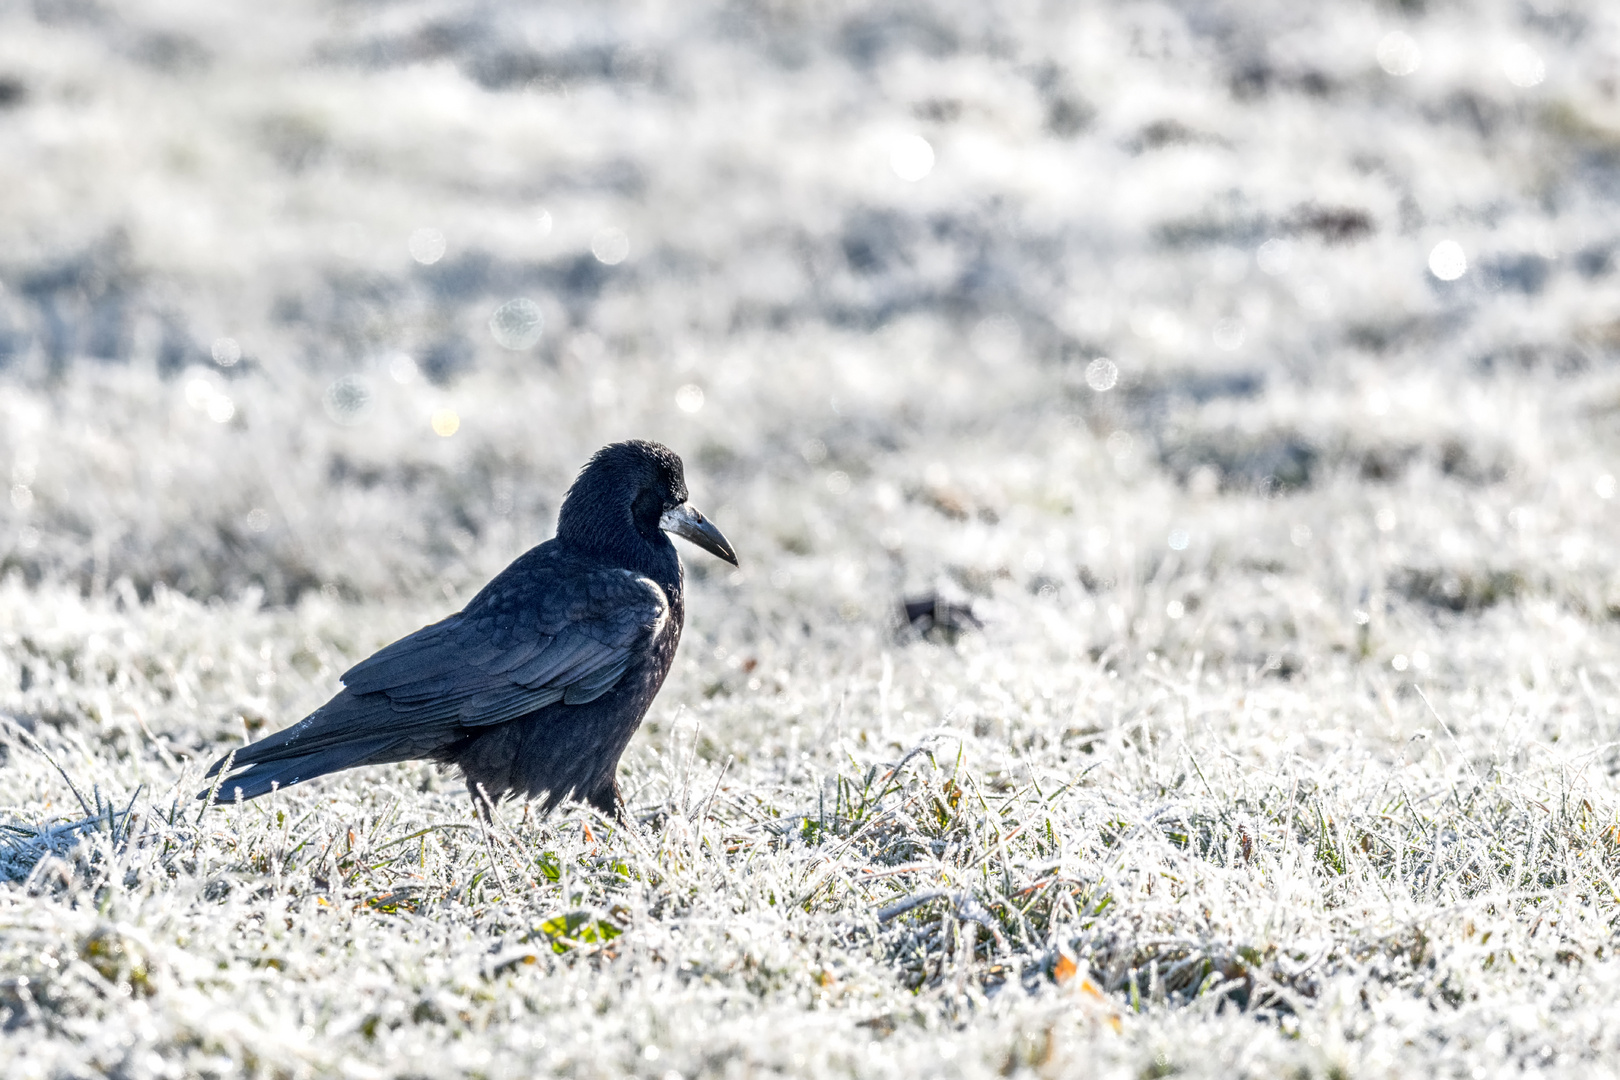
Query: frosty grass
{"x": 1247, "y": 369}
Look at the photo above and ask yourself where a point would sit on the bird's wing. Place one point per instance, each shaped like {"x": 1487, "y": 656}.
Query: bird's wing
{"x": 517, "y": 649}
{"x": 540, "y": 633}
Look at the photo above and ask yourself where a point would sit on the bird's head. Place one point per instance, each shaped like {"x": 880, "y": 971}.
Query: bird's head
{"x": 627, "y": 496}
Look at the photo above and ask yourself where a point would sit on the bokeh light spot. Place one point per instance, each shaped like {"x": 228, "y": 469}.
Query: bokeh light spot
{"x": 1158, "y": 325}
{"x": 1398, "y": 54}
{"x": 1447, "y": 261}
{"x": 1275, "y": 256}
{"x": 426, "y": 246}
{"x": 912, "y": 158}
{"x": 402, "y": 369}
{"x": 543, "y": 223}
{"x": 1102, "y": 374}
{"x": 814, "y": 451}
{"x": 226, "y": 351}
{"x": 221, "y": 409}
{"x": 348, "y": 400}
{"x": 610, "y": 246}
{"x": 200, "y": 390}
{"x": 1179, "y": 540}
{"x": 689, "y": 398}
{"x": 838, "y": 483}
{"x": 1523, "y": 66}
{"x": 517, "y": 324}
{"x": 1175, "y": 609}
{"x": 258, "y": 519}
{"x": 22, "y": 496}
{"x": 445, "y": 423}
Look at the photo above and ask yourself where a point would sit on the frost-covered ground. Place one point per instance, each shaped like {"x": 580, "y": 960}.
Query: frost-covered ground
{"x": 1249, "y": 368}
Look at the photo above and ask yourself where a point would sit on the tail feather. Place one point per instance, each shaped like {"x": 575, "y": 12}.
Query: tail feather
{"x": 340, "y": 722}
{"x": 259, "y": 778}
{"x": 348, "y": 731}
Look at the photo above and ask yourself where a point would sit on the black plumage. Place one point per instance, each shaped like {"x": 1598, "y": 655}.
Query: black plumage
{"x": 535, "y": 688}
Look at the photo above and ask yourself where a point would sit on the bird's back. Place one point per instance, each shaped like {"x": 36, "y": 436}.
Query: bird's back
{"x": 546, "y": 673}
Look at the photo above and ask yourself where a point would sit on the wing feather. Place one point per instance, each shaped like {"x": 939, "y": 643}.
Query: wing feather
{"x": 563, "y": 654}
{"x": 516, "y": 651}
{"x": 594, "y": 685}
{"x": 547, "y": 630}
{"x": 520, "y": 653}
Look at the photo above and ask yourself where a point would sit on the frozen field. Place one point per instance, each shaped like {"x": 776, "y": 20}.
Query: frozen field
{"x": 1248, "y": 369}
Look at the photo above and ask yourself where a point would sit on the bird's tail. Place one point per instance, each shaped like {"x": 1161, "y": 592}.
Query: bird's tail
{"x": 323, "y": 742}
{"x": 259, "y": 778}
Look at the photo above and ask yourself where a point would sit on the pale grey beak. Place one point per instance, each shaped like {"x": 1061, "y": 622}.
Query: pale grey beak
{"x": 688, "y": 524}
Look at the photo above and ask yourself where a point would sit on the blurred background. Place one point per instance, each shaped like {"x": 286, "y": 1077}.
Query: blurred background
{"x": 1241, "y": 327}
{"x": 1230, "y": 385}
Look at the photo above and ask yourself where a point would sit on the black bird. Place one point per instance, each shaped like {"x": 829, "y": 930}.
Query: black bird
{"x": 536, "y": 687}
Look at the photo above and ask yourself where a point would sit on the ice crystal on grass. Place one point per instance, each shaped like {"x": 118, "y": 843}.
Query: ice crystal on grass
{"x": 1167, "y": 449}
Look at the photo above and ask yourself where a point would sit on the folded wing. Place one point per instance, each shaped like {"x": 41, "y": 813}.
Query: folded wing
{"x": 536, "y": 636}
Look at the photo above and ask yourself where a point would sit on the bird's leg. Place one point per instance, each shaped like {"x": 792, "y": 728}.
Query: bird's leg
{"x": 608, "y": 800}
{"x": 483, "y": 805}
